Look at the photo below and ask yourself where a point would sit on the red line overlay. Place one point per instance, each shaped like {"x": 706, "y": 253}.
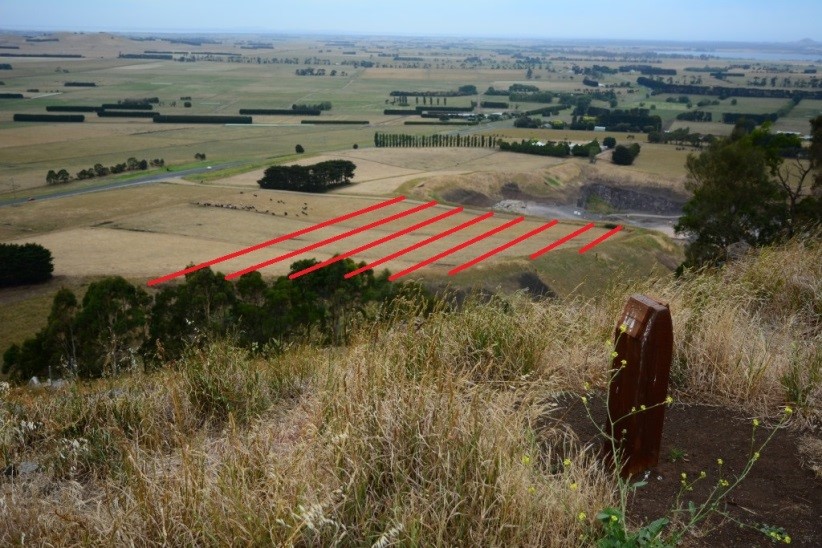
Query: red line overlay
{"x": 600, "y": 239}
{"x": 375, "y": 243}
{"x": 562, "y": 240}
{"x": 456, "y": 248}
{"x": 279, "y": 239}
{"x": 418, "y": 245}
{"x": 321, "y": 243}
{"x": 503, "y": 247}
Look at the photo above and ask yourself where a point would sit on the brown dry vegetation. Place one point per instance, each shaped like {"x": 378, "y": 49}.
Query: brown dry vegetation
{"x": 424, "y": 431}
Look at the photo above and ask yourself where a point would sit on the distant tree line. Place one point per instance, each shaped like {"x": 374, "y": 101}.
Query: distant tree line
{"x": 49, "y": 118}
{"x": 118, "y": 326}
{"x": 460, "y": 92}
{"x": 325, "y": 105}
{"x": 319, "y": 177}
{"x": 80, "y": 84}
{"x": 695, "y": 116}
{"x": 5, "y": 66}
{"x": 493, "y": 104}
{"x": 11, "y": 95}
{"x": 551, "y": 148}
{"x": 401, "y": 140}
{"x": 62, "y": 176}
{"x": 648, "y": 70}
{"x": 24, "y": 264}
{"x": 723, "y": 92}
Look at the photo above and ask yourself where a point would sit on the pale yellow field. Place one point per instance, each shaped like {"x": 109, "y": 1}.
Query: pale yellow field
{"x": 152, "y": 243}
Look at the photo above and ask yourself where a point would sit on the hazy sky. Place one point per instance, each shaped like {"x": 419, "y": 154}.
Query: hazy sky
{"x": 733, "y": 20}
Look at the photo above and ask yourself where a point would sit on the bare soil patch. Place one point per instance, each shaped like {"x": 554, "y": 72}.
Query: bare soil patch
{"x": 778, "y": 492}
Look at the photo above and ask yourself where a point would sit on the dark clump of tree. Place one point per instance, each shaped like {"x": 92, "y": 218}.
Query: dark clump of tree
{"x": 609, "y": 142}
{"x": 559, "y": 150}
{"x": 723, "y": 92}
{"x": 399, "y": 112}
{"x": 5, "y": 66}
{"x": 49, "y": 118}
{"x": 11, "y": 95}
{"x": 493, "y": 104}
{"x": 24, "y": 264}
{"x": 118, "y": 327}
{"x": 127, "y": 114}
{"x": 319, "y": 177}
{"x": 299, "y": 149}
{"x": 695, "y": 116}
{"x": 625, "y": 156}
{"x": 527, "y": 122}
{"x": 80, "y": 84}
{"x": 751, "y": 189}
{"x": 325, "y": 105}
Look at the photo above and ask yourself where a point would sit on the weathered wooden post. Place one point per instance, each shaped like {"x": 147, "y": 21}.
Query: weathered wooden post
{"x": 639, "y": 386}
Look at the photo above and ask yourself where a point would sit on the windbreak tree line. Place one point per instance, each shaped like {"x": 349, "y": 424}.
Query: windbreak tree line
{"x": 118, "y": 326}
{"x": 403, "y": 140}
{"x": 319, "y": 177}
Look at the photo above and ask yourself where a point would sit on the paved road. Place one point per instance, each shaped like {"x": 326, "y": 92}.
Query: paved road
{"x": 148, "y": 179}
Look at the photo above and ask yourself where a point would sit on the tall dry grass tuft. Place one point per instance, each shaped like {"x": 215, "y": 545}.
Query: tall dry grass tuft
{"x": 749, "y": 335}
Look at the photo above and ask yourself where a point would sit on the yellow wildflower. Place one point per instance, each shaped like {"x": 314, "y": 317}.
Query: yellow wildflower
{"x": 566, "y": 462}
{"x": 756, "y": 422}
{"x": 623, "y": 328}
{"x": 573, "y": 486}
{"x": 720, "y": 462}
{"x": 581, "y": 516}
{"x": 669, "y": 400}
{"x": 788, "y": 410}
{"x": 526, "y": 460}
{"x": 614, "y": 518}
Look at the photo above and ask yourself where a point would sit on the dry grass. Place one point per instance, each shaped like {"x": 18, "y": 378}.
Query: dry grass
{"x": 424, "y": 431}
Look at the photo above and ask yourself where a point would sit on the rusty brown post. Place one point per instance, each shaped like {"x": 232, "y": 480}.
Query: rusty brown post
{"x": 646, "y": 346}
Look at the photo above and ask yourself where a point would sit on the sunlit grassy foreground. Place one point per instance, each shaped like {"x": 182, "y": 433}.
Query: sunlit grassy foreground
{"x": 425, "y": 430}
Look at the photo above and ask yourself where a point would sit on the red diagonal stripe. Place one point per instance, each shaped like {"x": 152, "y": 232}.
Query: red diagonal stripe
{"x": 562, "y": 240}
{"x": 600, "y": 239}
{"x": 418, "y": 245}
{"x": 503, "y": 247}
{"x": 454, "y": 249}
{"x": 375, "y": 243}
{"x": 276, "y": 240}
{"x": 330, "y": 240}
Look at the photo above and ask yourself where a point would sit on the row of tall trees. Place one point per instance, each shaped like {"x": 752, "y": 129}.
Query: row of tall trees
{"x": 421, "y": 141}
{"x": 319, "y": 177}
{"x": 118, "y": 326}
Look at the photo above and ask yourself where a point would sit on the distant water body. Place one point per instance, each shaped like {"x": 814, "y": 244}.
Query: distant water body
{"x": 750, "y": 55}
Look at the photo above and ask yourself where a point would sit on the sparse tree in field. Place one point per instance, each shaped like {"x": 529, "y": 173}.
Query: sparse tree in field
{"x": 609, "y": 142}
{"x": 299, "y": 149}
